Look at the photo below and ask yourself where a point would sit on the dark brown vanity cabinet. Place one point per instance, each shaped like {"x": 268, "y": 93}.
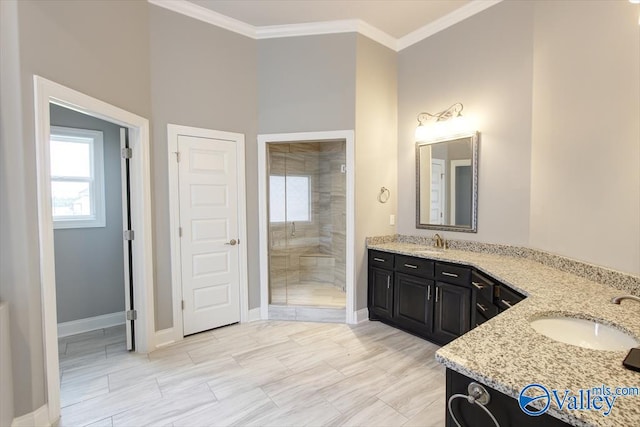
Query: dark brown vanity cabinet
{"x": 452, "y": 314}
{"x": 380, "y": 298}
{"x": 436, "y": 300}
{"x": 424, "y": 297}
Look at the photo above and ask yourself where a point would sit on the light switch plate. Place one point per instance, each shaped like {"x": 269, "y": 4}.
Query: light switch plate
{"x": 392, "y": 219}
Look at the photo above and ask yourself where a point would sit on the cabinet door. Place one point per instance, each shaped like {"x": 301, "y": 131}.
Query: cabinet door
{"x": 380, "y": 293}
{"x": 452, "y": 311}
{"x": 414, "y": 303}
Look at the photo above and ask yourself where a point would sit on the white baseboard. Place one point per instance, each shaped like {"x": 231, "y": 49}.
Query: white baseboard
{"x": 254, "y": 314}
{"x": 90, "y": 324}
{"x": 165, "y": 337}
{"x": 362, "y": 315}
{"x": 37, "y": 418}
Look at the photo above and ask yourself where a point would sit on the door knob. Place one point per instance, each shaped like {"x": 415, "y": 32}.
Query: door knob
{"x": 232, "y": 242}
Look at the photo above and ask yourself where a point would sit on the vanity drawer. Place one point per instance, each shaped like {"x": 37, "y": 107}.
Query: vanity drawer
{"x": 485, "y": 307}
{"x": 507, "y": 298}
{"x": 381, "y": 259}
{"x": 483, "y": 285}
{"x": 414, "y": 266}
{"x": 453, "y": 274}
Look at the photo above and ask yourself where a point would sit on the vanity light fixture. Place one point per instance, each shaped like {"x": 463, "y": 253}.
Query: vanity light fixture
{"x": 446, "y": 124}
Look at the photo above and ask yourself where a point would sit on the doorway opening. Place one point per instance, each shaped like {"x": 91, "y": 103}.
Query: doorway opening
{"x": 46, "y": 93}
{"x": 307, "y": 223}
{"x": 307, "y": 226}
{"x": 90, "y": 204}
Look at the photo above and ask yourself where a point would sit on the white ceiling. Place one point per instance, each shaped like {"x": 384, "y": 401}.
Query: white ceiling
{"x": 397, "y": 18}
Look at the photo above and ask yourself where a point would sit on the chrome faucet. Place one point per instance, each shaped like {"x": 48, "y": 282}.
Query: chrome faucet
{"x": 439, "y": 241}
{"x": 617, "y": 300}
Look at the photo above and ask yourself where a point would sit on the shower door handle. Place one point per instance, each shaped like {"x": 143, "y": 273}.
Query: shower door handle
{"x": 232, "y": 242}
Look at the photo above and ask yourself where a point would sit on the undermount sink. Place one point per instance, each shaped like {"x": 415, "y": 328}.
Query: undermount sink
{"x": 584, "y": 333}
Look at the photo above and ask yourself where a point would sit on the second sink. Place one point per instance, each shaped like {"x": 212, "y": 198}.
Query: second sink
{"x": 584, "y": 333}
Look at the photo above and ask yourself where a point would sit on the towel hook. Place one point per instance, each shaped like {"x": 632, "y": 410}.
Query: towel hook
{"x": 384, "y": 195}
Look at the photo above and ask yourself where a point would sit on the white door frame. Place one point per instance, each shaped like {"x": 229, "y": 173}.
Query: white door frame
{"x": 46, "y": 92}
{"x": 173, "y": 131}
{"x": 263, "y": 140}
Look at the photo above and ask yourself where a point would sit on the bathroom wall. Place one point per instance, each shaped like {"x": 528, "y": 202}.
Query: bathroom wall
{"x": 306, "y": 83}
{"x": 559, "y": 153}
{"x": 70, "y": 43}
{"x": 585, "y": 181}
{"x": 376, "y": 150}
{"x": 484, "y": 62}
{"x": 89, "y": 262}
{"x": 201, "y": 76}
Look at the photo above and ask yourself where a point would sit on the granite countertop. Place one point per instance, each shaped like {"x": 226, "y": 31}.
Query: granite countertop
{"x": 507, "y": 354}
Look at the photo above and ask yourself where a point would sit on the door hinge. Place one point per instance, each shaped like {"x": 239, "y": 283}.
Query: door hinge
{"x": 179, "y": 231}
{"x": 183, "y": 304}
{"x": 126, "y": 153}
{"x": 178, "y": 156}
{"x": 132, "y": 315}
{"x": 128, "y": 235}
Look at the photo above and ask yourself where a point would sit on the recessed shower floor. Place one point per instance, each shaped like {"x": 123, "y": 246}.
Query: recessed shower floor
{"x": 309, "y": 294}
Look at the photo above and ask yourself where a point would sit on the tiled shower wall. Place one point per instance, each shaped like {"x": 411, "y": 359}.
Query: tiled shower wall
{"x": 317, "y": 250}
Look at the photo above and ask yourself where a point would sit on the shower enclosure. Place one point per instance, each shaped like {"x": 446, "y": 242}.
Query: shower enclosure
{"x": 307, "y": 223}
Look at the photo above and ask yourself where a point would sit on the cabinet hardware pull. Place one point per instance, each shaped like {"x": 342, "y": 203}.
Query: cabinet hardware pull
{"x": 388, "y": 281}
{"x": 428, "y": 292}
{"x": 478, "y": 285}
{"x": 411, "y": 266}
{"x": 481, "y": 307}
{"x": 436, "y": 294}
{"x": 444, "y": 273}
{"x": 506, "y": 303}
{"x": 378, "y": 259}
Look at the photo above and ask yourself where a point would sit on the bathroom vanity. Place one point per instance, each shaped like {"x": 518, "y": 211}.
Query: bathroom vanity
{"x": 436, "y": 300}
{"x": 471, "y": 301}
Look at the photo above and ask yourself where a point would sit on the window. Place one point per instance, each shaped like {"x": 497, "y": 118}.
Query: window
{"x": 289, "y": 198}
{"x": 77, "y": 178}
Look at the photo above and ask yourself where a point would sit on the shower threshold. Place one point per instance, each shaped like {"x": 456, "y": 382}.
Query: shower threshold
{"x": 307, "y": 313}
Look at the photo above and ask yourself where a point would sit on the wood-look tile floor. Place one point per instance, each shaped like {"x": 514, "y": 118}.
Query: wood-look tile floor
{"x": 266, "y": 373}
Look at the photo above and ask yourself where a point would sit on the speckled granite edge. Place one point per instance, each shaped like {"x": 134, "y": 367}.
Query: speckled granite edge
{"x": 616, "y": 279}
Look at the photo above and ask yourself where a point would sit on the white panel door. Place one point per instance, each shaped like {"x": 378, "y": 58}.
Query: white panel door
{"x": 208, "y": 187}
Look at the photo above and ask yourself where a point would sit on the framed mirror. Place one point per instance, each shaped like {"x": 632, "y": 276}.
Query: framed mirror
{"x": 447, "y": 184}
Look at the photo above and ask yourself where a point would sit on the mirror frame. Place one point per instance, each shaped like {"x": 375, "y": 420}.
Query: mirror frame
{"x": 475, "y": 142}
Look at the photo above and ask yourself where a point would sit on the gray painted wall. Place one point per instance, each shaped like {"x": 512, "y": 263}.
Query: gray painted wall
{"x": 485, "y": 62}
{"x": 77, "y": 44}
{"x": 537, "y": 77}
{"x": 201, "y": 76}
{"x": 306, "y": 83}
{"x": 376, "y": 150}
{"x": 89, "y": 262}
{"x": 585, "y": 182}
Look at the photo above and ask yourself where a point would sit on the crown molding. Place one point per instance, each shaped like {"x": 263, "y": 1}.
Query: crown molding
{"x": 203, "y": 14}
{"x": 327, "y": 27}
{"x": 466, "y": 11}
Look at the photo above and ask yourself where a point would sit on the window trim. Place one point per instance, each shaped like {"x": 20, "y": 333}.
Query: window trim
{"x": 97, "y": 182}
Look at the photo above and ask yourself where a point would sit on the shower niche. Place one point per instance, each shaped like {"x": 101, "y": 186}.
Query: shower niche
{"x": 307, "y": 223}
